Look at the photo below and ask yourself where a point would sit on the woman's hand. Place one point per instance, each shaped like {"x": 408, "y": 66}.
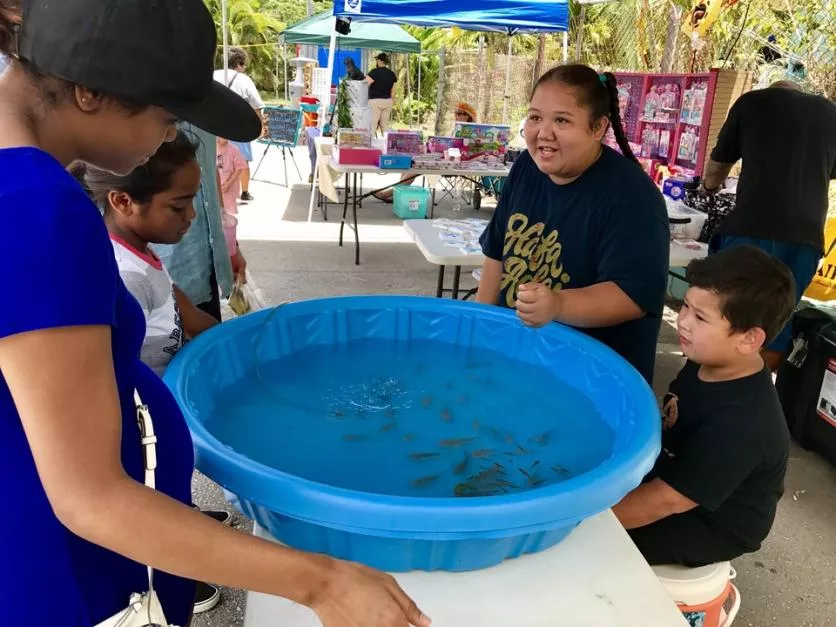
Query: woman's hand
{"x": 357, "y": 596}
{"x": 537, "y": 305}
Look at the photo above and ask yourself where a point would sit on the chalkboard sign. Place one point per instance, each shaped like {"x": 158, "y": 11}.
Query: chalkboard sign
{"x": 282, "y": 126}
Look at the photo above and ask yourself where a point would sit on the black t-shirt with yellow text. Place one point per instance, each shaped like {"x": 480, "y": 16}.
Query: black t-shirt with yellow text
{"x": 610, "y": 224}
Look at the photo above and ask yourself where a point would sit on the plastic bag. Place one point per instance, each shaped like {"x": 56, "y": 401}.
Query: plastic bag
{"x": 245, "y": 297}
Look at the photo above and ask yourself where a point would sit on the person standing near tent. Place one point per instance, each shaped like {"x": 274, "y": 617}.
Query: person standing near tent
{"x": 381, "y": 84}
{"x": 244, "y": 86}
{"x": 580, "y": 235}
{"x": 76, "y": 402}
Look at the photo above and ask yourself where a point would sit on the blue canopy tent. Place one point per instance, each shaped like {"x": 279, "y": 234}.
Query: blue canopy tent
{"x": 505, "y": 16}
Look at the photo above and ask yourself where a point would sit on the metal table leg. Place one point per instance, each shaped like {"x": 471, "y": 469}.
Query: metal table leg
{"x": 345, "y": 206}
{"x": 356, "y": 232}
{"x": 457, "y": 275}
{"x": 439, "y": 292}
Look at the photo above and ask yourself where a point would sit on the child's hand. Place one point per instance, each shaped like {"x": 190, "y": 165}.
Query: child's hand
{"x": 239, "y": 267}
{"x": 537, "y": 305}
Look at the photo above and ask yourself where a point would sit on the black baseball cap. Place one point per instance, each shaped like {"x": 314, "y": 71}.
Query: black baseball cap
{"x": 156, "y": 52}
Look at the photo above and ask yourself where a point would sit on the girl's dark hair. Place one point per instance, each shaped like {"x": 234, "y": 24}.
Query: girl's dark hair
{"x": 597, "y": 92}
{"x": 143, "y": 183}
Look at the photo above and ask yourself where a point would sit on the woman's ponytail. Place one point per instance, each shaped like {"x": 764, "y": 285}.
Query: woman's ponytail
{"x": 615, "y": 117}
{"x": 9, "y": 25}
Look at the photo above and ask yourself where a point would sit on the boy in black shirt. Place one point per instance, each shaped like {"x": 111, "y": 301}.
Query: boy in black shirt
{"x": 713, "y": 492}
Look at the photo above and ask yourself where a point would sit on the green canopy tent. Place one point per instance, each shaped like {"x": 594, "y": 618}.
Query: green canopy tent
{"x": 316, "y": 30}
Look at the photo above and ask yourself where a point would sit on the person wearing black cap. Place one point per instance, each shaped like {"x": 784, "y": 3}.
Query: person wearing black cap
{"x": 381, "y": 83}
{"x": 104, "y": 81}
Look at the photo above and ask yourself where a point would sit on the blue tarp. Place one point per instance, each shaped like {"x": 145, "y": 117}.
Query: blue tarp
{"x": 506, "y": 16}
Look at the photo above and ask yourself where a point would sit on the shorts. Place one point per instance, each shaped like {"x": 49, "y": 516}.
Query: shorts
{"x": 685, "y": 539}
{"x": 246, "y": 149}
{"x": 802, "y": 260}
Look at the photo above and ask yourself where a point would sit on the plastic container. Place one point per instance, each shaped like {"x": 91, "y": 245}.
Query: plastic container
{"x": 356, "y": 156}
{"x": 230, "y": 226}
{"x": 701, "y": 594}
{"x": 685, "y": 223}
{"x": 395, "y": 162}
{"x": 411, "y": 202}
{"x": 400, "y": 533}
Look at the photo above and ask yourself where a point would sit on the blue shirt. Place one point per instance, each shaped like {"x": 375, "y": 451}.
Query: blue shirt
{"x": 61, "y": 272}
{"x": 610, "y": 224}
{"x": 202, "y": 251}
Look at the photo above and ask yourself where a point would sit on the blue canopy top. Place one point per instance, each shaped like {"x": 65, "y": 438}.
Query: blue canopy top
{"x": 506, "y": 16}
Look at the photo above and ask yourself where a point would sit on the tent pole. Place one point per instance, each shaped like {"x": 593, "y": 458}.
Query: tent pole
{"x": 507, "y": 82}
{"x": 566, "y": 46}
{"x": 419, "y": 76}
{"x": 439, "y": 105}
{"x": 331, "y": 50}
{"x": 286, "y": 81}
{"x": 409, "y": 90}
{"x": 278, "y": 54}
{"x": 225, "y": 40}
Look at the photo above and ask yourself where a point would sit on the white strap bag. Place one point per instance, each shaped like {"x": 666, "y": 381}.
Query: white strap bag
{"x": 143, "y": 610}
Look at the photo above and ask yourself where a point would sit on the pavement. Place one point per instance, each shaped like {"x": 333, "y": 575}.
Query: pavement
{"x": 790, "y": 582}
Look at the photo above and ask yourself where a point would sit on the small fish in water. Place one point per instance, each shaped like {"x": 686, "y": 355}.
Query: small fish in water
{"x": 509, "y": 438}
{"x": 422, "y": 456}
{"x": 388, "y": 427}
{"x": 426, "y": 401}
{"x": 476, "y": 425}
{"x": 534, "y": 466}
{"x": 389, "y": 413}
{"x": 448, "y": 385}
{"x": 339, "y": 414}
{"x": 355, "y": 437}
{"x": 424, "y": 481}
{"x": 447, "y": 415}
{"x": 454, "y": 442}
{"x": 541, "y": 439}
{"x": 462, "y": 399}
{"x": 561, "y": 471}
{"x": 460, "y": 468}
{"x": 482, "y": 452}
{"x": 408, "y": 438}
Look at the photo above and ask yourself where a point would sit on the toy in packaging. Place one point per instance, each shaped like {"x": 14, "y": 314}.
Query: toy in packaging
{"x": 349, "y": 137}
{"x": 438, "y": 145}
{"x": 403, "y": 143}
{"x": 664, "y": 143}
{"x": 485, "y": 142}
{"x": 652, "y": 104}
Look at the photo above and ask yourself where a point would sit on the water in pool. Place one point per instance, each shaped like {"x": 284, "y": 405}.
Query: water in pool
{"x": 421, "y": 418}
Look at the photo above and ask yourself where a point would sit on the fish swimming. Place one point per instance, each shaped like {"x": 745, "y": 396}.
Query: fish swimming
{"x": 454, "y": 442}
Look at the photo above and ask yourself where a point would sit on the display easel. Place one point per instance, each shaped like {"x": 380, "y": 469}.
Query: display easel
{"x": 283, "y": 128}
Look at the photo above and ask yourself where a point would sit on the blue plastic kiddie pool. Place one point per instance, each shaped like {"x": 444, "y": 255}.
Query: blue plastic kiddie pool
{"x": 414, "y": 433}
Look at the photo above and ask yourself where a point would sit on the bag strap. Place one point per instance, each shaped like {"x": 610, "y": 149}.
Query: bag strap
{"x": 149, "y": 456}
{"x": 229, "y": 85}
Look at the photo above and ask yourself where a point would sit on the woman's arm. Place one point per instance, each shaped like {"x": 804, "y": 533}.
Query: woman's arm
{"x": 489, "y": 284}
{"x": 63, "y": 385}
{"x": 195, "y": 321}
{"x": 600, "y": 305}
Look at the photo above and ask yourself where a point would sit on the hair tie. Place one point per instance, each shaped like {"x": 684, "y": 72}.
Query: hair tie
{"x": 603, "y": 79}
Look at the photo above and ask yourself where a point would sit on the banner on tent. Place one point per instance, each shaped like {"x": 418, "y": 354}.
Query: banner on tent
{"x": 353, "y": 6}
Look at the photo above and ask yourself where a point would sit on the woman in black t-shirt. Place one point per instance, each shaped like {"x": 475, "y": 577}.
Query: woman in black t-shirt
{"x": 381, "y": 83}
{"x": 580, "y": 235}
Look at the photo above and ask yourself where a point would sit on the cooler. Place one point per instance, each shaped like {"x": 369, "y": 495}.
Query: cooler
{"x": 806, "y": 380}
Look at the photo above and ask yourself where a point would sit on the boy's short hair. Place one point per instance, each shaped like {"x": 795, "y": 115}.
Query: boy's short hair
{"x": 237, "y": 57}
{"x": 756, "y": 290}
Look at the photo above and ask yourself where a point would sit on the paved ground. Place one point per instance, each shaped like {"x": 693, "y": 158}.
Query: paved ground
{"x": 791, "y": 582}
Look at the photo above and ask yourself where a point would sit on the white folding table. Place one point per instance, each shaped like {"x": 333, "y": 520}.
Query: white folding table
{"x": 594, "y": 578}
{"x": 427, "y": 237}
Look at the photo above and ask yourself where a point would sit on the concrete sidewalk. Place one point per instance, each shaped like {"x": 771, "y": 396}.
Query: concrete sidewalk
{"x": 791, "y": 582}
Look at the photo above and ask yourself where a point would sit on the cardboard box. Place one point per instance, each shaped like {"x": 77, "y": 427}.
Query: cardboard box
{"x": 403, "y": 143}
{"x": 483, "y": 141}
{"x": 349, "y": 155}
